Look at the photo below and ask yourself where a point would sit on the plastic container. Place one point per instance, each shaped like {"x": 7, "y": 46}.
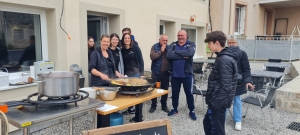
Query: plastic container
{"x": 4, "y": 79}
{"x": 91, "y": 91}
{"x": 116, "y": 119}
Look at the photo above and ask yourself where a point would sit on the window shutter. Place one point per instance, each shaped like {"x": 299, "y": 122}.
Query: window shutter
{"x": 242, "y": 20}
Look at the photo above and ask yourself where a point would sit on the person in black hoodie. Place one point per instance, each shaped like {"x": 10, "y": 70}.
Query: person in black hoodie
{"x": 133, "y": 62}
{"x": 221, "y": 83}
{"x": 244, "y": 71}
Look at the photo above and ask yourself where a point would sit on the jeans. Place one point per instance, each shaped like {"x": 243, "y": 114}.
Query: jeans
{"x": 237, "y": 109}
{"x": 135, "y": 75}
{"x": 214, "y": 121}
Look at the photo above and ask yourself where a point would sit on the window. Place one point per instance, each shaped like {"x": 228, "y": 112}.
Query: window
{"x": 239, "y": 27}
{"x": 162, "y": 28}
{"x": 97, "y": 26}
{"x": 21, "y": 39}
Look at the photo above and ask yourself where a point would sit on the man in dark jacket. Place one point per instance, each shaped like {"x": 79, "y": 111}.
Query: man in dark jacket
{"x": 180, "y": 55}
{"x": 244, "y": 71}
{"x": 221, "y": 83}
{"x": 159, "y": 68}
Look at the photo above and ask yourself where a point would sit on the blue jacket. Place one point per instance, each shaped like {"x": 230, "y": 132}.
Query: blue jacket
{"x": 179, "y": 54}
{"x": 156, "y": 63}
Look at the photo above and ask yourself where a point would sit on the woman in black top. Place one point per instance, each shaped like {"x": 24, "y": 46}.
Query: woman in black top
{"x": 116, "y": 51}
{"x": 133, "y": 62}
{"x": 102, "y": 64}
{"x": 132, "y": 57}
{"x": 91, "y": 46}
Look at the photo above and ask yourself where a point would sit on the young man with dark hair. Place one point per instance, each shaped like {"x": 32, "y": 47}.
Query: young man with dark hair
{"x": 221, "y": 83}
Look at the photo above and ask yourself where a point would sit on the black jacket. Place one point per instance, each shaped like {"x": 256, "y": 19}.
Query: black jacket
{"x": 244, "y": 70}
{"x": 223, "y": 78}
{"x": 98, "y": 62}
{"x": 179, "y": 54}
{"x": 139, "y": 57}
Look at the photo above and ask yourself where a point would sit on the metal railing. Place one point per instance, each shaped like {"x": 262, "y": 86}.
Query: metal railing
{"x": 285, "y": 47}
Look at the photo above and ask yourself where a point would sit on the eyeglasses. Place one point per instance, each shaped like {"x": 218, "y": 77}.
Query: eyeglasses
{"x": 180, "y": 35}
{"x": 231, "y": 43}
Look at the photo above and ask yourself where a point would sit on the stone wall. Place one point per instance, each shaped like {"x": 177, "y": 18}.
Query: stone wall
{"x": 288, "y": 96}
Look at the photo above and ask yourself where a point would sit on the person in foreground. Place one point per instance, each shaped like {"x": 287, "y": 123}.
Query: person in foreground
{"x": 159, "y": 68}
{"x": 221, "y": 83}
{"x": 243, "y": 70}
{"x": 180, "y": 55}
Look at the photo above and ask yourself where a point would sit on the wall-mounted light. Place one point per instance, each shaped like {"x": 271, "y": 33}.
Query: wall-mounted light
{"x": 193, "y": 18}
{"x": 255, "y": 4}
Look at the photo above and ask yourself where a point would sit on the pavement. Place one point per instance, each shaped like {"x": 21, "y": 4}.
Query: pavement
{"x": 252, "y": 124}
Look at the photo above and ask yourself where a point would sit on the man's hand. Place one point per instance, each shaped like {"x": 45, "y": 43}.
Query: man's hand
{"x": 163, "y": 47}
{"x": 249, "y": 85}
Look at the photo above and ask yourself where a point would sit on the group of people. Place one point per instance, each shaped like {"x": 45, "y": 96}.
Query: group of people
{"x": 118, "y": 57}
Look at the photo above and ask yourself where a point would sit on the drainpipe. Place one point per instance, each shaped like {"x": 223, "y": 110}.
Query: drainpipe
{"x": 209, "y": 15}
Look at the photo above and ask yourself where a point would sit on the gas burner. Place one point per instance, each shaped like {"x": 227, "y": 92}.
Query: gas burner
{"x": 137, "y": 92}
{"x": 57, "y": 100}
{"x": 44, "y": 100}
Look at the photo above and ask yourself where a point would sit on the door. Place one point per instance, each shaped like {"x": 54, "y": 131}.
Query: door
{"x": 281, "y": 26}
{"x": 97, "y": 26}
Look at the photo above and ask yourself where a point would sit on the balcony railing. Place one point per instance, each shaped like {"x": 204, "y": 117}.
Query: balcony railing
{"x": 271, "y": 47}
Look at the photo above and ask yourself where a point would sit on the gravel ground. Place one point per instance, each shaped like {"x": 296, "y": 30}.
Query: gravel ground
{"x": 251, "y": 125}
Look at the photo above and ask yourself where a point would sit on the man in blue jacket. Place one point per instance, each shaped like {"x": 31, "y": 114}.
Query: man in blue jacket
{"x": 180, "y": 55}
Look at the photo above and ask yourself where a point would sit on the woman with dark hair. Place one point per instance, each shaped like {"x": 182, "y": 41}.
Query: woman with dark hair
{"x": 133, "y": 62}
{"x": 116, "y": 51}
{"x": 102, "y": 64}
{"x": 132, "y": 57}
{"x": 91, "y": 46}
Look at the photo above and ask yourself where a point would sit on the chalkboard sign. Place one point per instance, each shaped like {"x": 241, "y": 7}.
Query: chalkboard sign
{"x": 161, "y": 130}
{"x": 156, "y": 127}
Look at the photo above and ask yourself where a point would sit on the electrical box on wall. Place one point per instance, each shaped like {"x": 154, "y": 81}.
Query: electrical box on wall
{"x": 43, "y": 66}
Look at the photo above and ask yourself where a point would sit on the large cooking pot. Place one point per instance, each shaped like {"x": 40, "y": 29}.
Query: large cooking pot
{"x": 58, "y": 83}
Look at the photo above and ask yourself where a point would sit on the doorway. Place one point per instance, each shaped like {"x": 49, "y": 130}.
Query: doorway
{"x": 191, "y": 34}
{"x": 281, "y": 26}
{"x": 96, "y": 27}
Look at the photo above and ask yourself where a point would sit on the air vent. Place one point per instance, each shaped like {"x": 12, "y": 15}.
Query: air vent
{"x": 294, "y": 126}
